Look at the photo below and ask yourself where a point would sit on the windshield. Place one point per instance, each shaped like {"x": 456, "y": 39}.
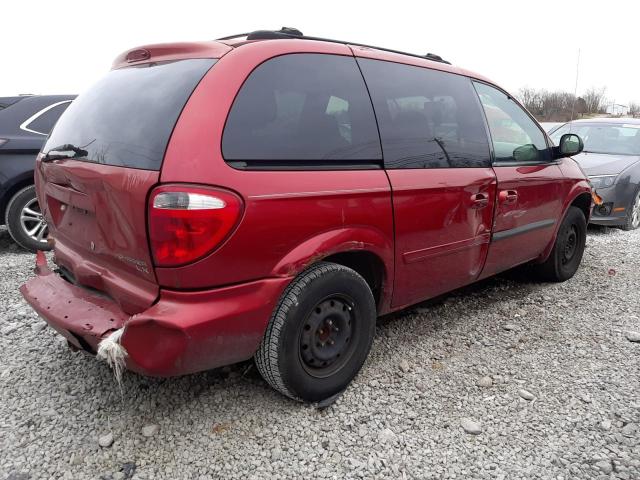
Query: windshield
{"x": 126, "y": 118}
{"x": 615, "y": 139}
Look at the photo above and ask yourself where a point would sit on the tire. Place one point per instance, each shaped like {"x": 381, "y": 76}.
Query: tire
{"x": 320, "y": 333}
{"x": 632, "y": 221}
{"x": 25, "y": 202}
{"x": 565, "y": 258}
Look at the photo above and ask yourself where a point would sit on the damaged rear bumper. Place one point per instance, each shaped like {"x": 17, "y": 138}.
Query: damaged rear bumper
{"x": 80, "y": 315}
{"x": 183, "y": 332}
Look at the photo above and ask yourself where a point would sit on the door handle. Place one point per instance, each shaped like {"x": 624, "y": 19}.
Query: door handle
{"x": 479, "y": 200}
{"x": 508, "y": 197}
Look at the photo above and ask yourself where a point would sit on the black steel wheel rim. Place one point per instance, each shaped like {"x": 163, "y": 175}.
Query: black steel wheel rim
{"x": 326, "y": 338}
{"x": 570, "y": 244}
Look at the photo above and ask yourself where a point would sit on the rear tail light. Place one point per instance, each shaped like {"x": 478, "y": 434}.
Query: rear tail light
{"x": 186, "y": 222}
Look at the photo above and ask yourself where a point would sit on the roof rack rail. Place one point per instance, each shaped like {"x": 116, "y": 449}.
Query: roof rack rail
{"x": 287, "y": 32}
{"x": 284, "y": 32}
{"x": 435, "y": 58}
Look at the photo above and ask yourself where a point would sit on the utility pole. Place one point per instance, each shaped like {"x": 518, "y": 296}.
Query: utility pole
{"x": 575, "y": 90}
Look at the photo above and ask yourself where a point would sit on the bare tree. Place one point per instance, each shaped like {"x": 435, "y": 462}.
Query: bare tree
{"x": 531, "y": 99}
{"x": 549, "y": 106}
{"x": 557, "y": 104}
{"x": 562, "y": 106}
{"x": 634, "y": 109}
{"x": 594, "y": 99}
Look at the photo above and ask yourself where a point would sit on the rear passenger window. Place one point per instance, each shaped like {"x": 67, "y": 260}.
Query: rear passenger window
{"x": 45, "y": 122}
{"x": 302, "y": 110}
{"x": 427, "y": 118}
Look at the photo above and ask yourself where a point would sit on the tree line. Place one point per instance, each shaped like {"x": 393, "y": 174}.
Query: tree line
{"x": 561, "y": 106}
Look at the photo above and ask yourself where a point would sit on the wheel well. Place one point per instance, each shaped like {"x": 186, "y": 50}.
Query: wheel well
{"x": 11, "y": 191}
{"x": 583, "y": 202}
{"x": 367, "y": 264}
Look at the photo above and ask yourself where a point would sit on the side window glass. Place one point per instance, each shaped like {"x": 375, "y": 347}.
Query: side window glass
{"x": 516, "y": 138}
{"x": 338, "y": 108}
{"x": 302, "y": 108}
{"x": 44, "y": 123}
{"x": 427, "y": 118}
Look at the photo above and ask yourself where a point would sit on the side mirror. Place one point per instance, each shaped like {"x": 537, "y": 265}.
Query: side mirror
{"x": 526, "y": 153}
{"x": 570, "y": 144}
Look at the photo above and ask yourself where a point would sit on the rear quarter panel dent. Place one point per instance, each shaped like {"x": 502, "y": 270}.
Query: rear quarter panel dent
{"x": 335, "y": 241}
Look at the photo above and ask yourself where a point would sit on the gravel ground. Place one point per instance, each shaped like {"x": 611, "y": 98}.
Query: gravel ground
{"x": 505, "y": 379}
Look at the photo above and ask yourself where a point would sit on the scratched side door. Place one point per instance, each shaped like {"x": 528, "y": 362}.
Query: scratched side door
{"x": 437, "y": 157}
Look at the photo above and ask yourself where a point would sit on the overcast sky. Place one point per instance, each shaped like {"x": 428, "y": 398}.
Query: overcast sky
{"x": 63, "y": 46}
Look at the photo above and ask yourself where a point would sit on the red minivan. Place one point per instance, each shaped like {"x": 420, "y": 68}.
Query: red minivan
{"x": 269, "y": 195}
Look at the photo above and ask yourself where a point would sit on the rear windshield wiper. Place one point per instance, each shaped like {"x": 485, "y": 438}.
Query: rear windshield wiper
{"x": 64, "y": 151}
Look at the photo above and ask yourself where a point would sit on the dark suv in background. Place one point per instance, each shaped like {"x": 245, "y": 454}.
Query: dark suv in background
{"x": 25, "y": 122}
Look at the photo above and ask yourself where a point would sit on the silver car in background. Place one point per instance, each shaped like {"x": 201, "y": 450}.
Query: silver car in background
{"x": 611, "y": 159}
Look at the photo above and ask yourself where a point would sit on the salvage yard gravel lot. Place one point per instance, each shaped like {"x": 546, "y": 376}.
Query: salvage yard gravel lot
{"x": 504, "y": 379}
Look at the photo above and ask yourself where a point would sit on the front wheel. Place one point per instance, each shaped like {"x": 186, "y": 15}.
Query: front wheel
{"x": 319, "y": 334}
{"x": 632, "y": 221}
{"x": 25, "y": 221}
{"x": 565, "y": 258}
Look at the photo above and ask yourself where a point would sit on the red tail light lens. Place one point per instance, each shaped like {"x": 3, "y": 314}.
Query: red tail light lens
{"x": 186, "y": 223}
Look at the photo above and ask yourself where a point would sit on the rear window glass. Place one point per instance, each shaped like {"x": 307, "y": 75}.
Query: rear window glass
{"x": 126, "y": 118}
{"x": 308, "y": 108}
{"x": 427, "y": 118}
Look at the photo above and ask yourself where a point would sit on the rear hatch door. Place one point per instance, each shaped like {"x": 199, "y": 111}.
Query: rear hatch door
{"x": 97, "y": 168}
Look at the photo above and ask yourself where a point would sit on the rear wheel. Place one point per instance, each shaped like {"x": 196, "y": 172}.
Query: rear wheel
{"x": 633, "y": 215}
{"x": 25, "y": 221}
{"x": 565, "y": 258}
{"x": 319, "y": 334}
